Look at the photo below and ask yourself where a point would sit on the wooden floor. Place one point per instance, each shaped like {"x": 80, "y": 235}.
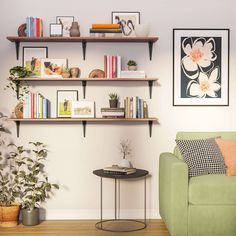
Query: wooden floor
{"x": 79, "y": 228}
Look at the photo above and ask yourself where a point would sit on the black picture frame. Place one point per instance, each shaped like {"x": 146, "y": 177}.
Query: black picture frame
{"x": 67, "y": 94}
{"x": 37, "y": 55}
{"x": 127, "y": 19}
{"x": 57, "y": 28}
{"x": 66, "y": 28}
{"x": 201, "y": 66}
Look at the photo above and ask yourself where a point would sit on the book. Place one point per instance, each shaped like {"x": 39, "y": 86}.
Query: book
{"x": 105, "y": 31}
{"x": 118, "y": 170}
{"x": 132, "y": 74}
{"x": 105, "y": 26}
{"x": 106, "y": 35}
{"x": 118, "y": 109}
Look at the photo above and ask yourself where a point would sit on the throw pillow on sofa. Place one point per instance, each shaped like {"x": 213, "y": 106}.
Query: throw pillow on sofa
{"x": 202, "y": 156}
{"x": 228, "y": 150}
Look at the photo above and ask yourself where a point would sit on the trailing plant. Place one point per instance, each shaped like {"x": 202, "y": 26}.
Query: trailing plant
{"x": 18, "y": 85}
{"x": 132, "y": 63}
{"x": 125, "y": 148}
{"x": 113, "y": 96}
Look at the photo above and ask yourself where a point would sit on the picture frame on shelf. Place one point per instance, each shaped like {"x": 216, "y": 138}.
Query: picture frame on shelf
{"x": 127, "y": 19}
{"x": 66, "y": 22}
{"x": 31, "y": 59}
{"x": 200, "y": 67}
{"x": 56, "y": 30}
{"x": 65, "y": 98}
{"x": 83, "y": 109}
{"x": 52, "y": 68}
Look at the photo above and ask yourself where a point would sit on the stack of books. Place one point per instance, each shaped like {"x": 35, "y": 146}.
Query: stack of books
{"x": 112, "y": 66}
{"x": 113, "y": 112}
{"x": 135, "y": 107}
{"x": 132, "y": 74}
{"x": 34, "y": 27}
{"x": 36, "y": 106}
{"x": 118, "y": 170}
{"x": 105, "y": 30}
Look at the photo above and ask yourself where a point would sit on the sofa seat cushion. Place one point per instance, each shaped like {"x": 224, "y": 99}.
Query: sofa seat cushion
{"x": 212, "y": 190}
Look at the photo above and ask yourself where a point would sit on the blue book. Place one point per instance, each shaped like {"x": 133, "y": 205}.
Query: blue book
{"x": 44, "y": 108}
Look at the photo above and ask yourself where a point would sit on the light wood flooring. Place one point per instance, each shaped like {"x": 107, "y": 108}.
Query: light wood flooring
{"x": 79, "y": 228}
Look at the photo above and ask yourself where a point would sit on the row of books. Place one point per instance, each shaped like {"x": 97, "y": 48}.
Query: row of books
{"x": 113, "y": 68}
{"x": 103, "y": 30}
{"x": 36, "y": 106}
{"x": 113, "y": 112}
{"x": 118, "y": 170}
{"x": 34, "y": 27}
{"x": 135, "y": 107}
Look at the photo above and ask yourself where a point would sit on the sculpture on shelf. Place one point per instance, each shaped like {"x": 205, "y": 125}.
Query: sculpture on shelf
{"x": 22, "y": 30}
{"x": 97, "y": 73}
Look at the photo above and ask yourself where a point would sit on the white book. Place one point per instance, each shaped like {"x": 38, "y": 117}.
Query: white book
{"x": 132, "y": 74}
{"x": 118, "y": 66}
{"x": 26, "y": 106}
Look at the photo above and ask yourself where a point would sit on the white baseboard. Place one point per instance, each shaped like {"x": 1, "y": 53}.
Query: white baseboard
{"x": 62, "y": 214}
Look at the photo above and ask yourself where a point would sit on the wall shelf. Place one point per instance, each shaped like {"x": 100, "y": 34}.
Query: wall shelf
{"x": 84, "y": 41}
{"x": 85, "y": 80}
{"x": 84, "y": 121}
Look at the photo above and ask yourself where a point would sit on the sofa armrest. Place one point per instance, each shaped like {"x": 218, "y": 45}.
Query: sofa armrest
{"x": 173, "y": 193}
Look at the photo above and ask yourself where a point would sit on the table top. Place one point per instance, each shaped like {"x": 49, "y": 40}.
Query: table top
{"x": 139, "y": 173}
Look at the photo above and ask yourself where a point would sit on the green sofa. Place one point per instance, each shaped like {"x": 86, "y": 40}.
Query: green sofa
{"x": 198, "y": 206}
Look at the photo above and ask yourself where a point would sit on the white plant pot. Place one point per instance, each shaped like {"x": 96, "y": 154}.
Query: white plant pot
{"x": 142, "y": 30}
{"x": 125, "y": 163}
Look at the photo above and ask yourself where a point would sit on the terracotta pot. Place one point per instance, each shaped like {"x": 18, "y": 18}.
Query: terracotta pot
{"x": 74, "y": 30}
{"x": 30, "y": 217}
{"x": 113, "y": 103}
{"x": 9, "y": 215}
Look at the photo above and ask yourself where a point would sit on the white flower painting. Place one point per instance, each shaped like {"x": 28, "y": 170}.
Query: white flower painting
{"x": 200, "y": 67}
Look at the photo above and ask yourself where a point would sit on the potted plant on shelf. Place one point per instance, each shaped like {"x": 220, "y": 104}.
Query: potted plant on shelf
{"x": 66, "y": 72}
{"x": 132, "y": 65}
{"x": 125, "y": 150}
{"x": 35, "y": 187}
{"x": 113, "y": 100}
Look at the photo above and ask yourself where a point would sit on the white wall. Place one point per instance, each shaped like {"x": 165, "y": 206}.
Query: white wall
{"x": 72, "y": 158}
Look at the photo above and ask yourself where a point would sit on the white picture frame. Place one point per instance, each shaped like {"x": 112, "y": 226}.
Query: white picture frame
{"x": 82, "y": 109}
{"x": 52, "y": 68}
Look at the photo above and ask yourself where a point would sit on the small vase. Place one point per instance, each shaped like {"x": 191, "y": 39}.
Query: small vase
{"x": 30, "y": 217}
{"x": 125, "y": 163}
{"x": 113, "y": 103}
{"x": 74, "y": 30}
{"x": 132, "y": 68}
{"x": 75, "y": 72}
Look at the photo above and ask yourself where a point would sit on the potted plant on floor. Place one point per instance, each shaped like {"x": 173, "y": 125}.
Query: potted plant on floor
{"x": 113, "y": 100}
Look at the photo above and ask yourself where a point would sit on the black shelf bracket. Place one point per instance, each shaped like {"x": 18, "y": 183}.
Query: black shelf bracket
{"x": 84, "y": 44}
{"x": 17, "y": 45}
{"x": 150, "y": 46}
{"x": 150, "y": 122}
{"x": 84, "y": 83}
{"x": 17, "y": 128}
{"x": 150, "y": 84}
{"x": 84, "y": 123}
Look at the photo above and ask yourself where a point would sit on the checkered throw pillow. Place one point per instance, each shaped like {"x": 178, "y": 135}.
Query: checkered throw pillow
{"x": 202, "y": 156}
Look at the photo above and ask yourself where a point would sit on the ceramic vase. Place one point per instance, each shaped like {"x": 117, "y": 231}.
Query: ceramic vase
{"x": 75, "y": 72}
{"x": 74, "y": 30}
{"x": 125, "y": 163}
{"x": 142, "y": 30}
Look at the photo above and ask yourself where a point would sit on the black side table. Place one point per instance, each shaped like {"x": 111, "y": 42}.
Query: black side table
{"x": 138, "y": 174}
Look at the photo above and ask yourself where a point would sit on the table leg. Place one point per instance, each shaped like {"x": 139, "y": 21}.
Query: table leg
{"x": 115, "y": 198}
{"x": 145, "y": 202}
{"x": 101, "y": 202}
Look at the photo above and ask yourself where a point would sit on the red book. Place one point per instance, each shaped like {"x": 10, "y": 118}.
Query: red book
{"x": 110, "y": 67}
{"x": 37, "y": 27}
{"x": 105, "y": 65}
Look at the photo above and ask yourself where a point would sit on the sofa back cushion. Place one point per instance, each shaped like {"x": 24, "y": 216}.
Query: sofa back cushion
{"x": 202, "y": 156}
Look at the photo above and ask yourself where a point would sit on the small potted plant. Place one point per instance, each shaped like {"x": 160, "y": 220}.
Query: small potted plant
{"x": 113, "y": 100}
{"x": 132, "y": 65}
{"x": 66, "y": 72}
{"x": 125, "y": 150}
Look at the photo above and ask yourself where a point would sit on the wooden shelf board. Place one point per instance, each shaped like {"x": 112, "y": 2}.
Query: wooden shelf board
{"x": 83, "y": 39}
{"x": 86, "y": 119}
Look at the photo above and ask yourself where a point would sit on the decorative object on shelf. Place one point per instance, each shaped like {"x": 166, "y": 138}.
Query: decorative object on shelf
{"x": 203, "y": 77}
{"x": 64, "y": 102}
{"x": 56, "y": 30}
{"x": 22, "y": 30}
{"x": 83, "y": 109}
{"x": 52, "y": 68}
{"x": 113, "y": 100}
{"x": 125, "y": 150}
{"x": 19, "y": 110}
{"x": 132, "y": 65}
{"x": 142, "y": 30}
{"x": 66, "y": 72}
{"x": 31, "y": 59}
{"x": 66, "y": 22}
{"x": 127, "y": 21}
{"x": 74, "y": 30}
{"x": 97, "y": 73}
{"x": 75, "y": 72}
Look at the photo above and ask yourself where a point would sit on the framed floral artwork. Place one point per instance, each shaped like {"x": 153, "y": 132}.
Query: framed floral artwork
{"x": 200, "y": 67}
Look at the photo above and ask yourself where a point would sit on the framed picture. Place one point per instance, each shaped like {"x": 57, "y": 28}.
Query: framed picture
{"x": 127, "y": 20}
{"x": 201, "y": 67}
{"x": 82, "y": 109}
{"x": 66, "y": 22}
{"x": 52, "y": 68}
{"x": 31, "y": 59}
{"x": 65, "y": 98}
{"x": 55, "y": 30}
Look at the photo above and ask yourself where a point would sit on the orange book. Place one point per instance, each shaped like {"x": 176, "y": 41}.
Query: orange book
{"x": 105, "y": 26}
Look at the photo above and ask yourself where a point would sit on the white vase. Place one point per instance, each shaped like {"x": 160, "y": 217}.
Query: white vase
{"x": 142, "y": 30}
{"x": 125, "y": 163}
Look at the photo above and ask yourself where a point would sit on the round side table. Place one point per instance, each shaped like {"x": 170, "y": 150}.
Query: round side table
{"x": 139, "y": 224}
